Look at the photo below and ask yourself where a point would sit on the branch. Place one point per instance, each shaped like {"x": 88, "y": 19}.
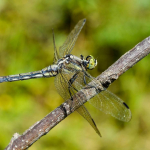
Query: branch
{"x": 128, "y": 60}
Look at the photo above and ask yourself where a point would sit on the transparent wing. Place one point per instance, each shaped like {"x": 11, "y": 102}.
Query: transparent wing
{"x": 56, "y": 56}
{"x": 67, "y": 47}
{"x": 61, "y": 84}
{"x": 111, "y": 104}
{"x": 86, "y": 115}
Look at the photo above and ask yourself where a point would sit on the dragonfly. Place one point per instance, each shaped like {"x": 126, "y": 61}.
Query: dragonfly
{"x": 71, "y": 75}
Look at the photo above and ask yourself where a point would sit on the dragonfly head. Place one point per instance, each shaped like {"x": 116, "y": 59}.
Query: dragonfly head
{"x": 92, "y": 63}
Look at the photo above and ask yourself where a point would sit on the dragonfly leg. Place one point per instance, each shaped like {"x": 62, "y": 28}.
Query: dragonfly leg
{"x": 84, "y": 79}
{"x": 70, "y": 94}
{"x": 85, "y": 75}
{"x": 92, "y": 86}
{"x": 88, "y": 86}
{"x": 73, "y": 78}
{"x": 81, "y": 57}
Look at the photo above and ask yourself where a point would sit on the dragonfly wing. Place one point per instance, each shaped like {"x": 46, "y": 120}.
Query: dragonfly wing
{"x": 56, "y": 56}
{"x": 61, "y": 84}
{"x": 113, "y": 105}
{"x": 85, "y": 114}
{"x": 67, "y": 47}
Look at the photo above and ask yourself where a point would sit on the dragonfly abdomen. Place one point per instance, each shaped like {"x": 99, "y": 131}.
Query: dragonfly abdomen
{"x": 49, "y": 71}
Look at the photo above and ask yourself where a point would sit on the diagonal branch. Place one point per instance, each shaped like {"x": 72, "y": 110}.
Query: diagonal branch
{"x": 129, "y": 59}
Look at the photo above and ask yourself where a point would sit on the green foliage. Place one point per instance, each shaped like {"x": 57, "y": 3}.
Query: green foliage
{"x": 112, "y": 28}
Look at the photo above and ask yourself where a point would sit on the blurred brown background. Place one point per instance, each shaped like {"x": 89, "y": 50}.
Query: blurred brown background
{"x": 113, "y": 27}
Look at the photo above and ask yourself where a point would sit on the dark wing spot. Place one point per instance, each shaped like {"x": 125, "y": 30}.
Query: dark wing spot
{"x": 125, "y": 105}
{"x": 94, "y": 122}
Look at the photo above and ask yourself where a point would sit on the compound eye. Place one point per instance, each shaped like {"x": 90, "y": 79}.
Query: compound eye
{"x": 88, "y": 57}
{"x": 91, "y": 62}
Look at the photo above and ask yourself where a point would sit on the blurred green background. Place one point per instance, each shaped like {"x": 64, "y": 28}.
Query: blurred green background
{"x": 113, "y": 27}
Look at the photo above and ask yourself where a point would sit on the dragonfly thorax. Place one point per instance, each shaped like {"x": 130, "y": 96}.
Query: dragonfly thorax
{"x": 88, "y": 63}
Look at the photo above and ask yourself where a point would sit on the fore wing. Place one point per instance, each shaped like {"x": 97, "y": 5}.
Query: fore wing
{"x": 68, "y": 46}
{"x": 56, "y": 56}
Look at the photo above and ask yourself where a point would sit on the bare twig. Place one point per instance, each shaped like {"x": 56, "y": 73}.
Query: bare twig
{"x": 24, "y": 141}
